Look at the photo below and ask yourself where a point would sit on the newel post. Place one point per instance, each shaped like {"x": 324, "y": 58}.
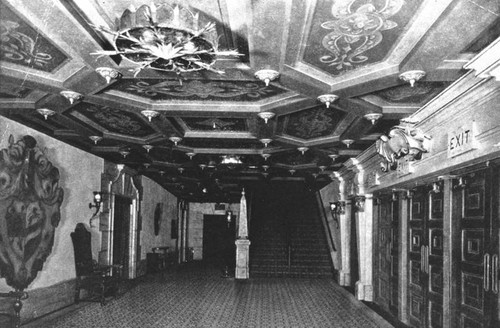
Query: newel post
{"x": 242, "y": 242}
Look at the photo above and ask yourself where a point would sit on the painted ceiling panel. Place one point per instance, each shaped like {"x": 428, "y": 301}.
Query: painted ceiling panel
{"x": 215, "y": 124}
{"x": 313, "y": 123}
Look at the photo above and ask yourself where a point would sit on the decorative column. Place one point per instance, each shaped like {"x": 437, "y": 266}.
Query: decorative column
{"x": 364, "y": 215}
{"x": 345, "y": 236}
{"x": 242, "y": 243}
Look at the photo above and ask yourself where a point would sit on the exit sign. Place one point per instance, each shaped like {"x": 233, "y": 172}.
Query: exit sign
{"x": 461, "y": 140}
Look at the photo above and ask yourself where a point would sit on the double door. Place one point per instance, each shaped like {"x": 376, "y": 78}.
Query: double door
{"x": 425, "y": 256}
{"x": 475, "y": 199}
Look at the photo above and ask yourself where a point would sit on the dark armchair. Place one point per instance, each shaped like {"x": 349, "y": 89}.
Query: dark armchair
{"x": 100, "y": 281}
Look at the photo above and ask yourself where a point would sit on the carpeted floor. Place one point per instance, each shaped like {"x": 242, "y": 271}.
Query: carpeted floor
{"x": 199, "y": 297}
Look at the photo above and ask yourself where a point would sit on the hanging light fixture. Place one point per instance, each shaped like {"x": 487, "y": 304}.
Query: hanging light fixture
{"x": 373, "y": 117}
{"x": 108, "y": 73}
{"x": 190, "y": 155}
{"x": 149, "y": 114}
{"x": 333, "y": 156}
{"x": 265, "y": 167}
{"x": 266, "y": 141}
{"x": 175, "y": 140}
{"x": 266, "y": 116}
{"x": 147, "y": 147}
{"x": 348, "y": 142}
{"x": 292, "y": 171}
{"x": 266, "y": 156}
{"x": 412, "y": 76}
{"x": 72, "y": 96}
{"x": 45, "y": 112}
{"x": 267, "y": 75}
{"x": 302, "y": 149}
{"x": 328, "y": 99}
{"x": 95, "y": 139}
{"x": 124, "y": 152}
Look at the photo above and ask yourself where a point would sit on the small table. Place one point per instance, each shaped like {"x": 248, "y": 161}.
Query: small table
{"x": 157, "y": 261}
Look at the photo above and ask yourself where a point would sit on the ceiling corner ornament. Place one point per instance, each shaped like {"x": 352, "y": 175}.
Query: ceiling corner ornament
{"x": 267, "y": 75}
{"x": 150, "y": 114}
{"x": 72, "y": 96}
{"x": 175, "y": 140}
{"x": 266, "y": 116}
{"x": 302, "y": 150}
{"x": 373, "y": 117}
{"x": 327, "y": 99}
{"x": 412, "y": 76}
{"x": 95, "y": 139}
{"x": 166, "y": 38}
{"x": 45, "y": 112}
{"x": 348, "y": 142}
{"x": 401, "y": 141}
{"x": 108, "y": 73}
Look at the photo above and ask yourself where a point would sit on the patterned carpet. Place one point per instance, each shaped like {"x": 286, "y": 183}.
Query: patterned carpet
{"x": 198, "y": 297}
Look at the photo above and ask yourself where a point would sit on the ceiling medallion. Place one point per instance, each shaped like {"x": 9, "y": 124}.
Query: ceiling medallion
{"x": 72, "y": 96}
{"x": 373, "y": 117}
{"x": 267, "y": 75}
{"x": 175, "y": 140}
{"x": 412, "y": 76}
{"x": 348, "y": 142}
{"x": 266, "y": 116}
{"x": 302, "y": 149}
{"x": 147, "y": 147}
{"x": 327, "y": 99}
{"x": 45, "y": 112}
{"x": 266, "y": 141}
{"x": 108, "y": 73}
{"x": 149, "y": 114}
{"x": 95, "y": 139}
{"x": 169, "y": 39}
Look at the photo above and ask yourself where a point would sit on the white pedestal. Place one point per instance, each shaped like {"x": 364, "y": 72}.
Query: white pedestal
{"x": 242, "y": 258}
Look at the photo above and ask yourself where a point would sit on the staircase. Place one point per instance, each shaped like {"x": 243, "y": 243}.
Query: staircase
{"x": 287, "y": 235}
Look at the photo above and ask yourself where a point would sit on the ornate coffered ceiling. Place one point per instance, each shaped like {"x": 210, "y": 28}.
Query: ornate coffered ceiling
{"x": 354, "y": 49}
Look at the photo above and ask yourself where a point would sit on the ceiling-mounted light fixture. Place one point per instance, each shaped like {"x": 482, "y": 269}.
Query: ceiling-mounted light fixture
{"x": 150, "y": 114}
{"x": 327, "y": 99}
{"x": 333, "y": 156}
{"x": 147, "y": 147}
{"x": 166, "y": 40}
{"x": 147, "y": 165}
{"x": 202, "y": 166}
{"x": 302, "y": 149}
{"x": 45, "y": 112}
{"x": 265, "y": 167}
{"x": 266, "y": 156}
{"x": 266, "y": 116}
{"x": 175, "y": 140}
{"x": 95, "y": 139}
{"x": 108, "y": 73}
{"x": 124, "y": 152}
{"x": 348, "y": 142}
{"x": 412, "y": 76}
{"x": 292, "y": 171}
{"x": 267, "y": 75}
{"x": 373, "y": 117}
{"x": 72, "y": 96}
{"x": 266, "y": 141}
{"x": 190, "y": 155}
{"x": 322, "y": 168}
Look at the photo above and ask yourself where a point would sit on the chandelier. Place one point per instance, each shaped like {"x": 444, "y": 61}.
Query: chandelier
{"x": 165, "y": 38}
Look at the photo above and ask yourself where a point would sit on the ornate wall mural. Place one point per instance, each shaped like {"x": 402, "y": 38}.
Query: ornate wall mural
{"x": 114, "y": 120}
{"x": 30, "y": 201}
{"x": 313, "y": 123}
{"x": 216, "y": 124}
{"x": 352, "y": 33}
{"x": 161, "y": 89}
{"x": 420, "y": 93}
{"x": 23, "y": 45}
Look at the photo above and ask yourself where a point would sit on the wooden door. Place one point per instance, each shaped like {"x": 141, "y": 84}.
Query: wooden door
{"x": 387, "y": 212}
{"x": 425, "y": 256}
{"x": 475, "y": 199}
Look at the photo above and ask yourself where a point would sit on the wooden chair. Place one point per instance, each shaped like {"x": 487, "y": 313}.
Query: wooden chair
{"x": 100, "y": 281}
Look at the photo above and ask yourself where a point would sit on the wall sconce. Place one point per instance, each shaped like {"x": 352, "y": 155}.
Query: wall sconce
{"x": 97, "y": 202}
{"x": 229, "y": 216}
{"x": 360, "y": 203}
{"x": 436, "y": 188}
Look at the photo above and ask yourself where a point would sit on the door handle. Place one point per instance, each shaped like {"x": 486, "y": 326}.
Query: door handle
{"x": 486, "y": 271}
{"x": 494, "y": 273}
{"x": 422, "y": 259}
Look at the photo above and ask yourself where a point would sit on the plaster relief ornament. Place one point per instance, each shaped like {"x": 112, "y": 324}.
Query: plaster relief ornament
{"x": 401, "y": 141}
{"x": 166, "y": 38}
{"x": 30, "y": 201}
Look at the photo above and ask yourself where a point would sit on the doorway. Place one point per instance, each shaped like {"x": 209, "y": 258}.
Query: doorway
{"x": 121, "y": 232}
{"x": 218, "y": 240}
